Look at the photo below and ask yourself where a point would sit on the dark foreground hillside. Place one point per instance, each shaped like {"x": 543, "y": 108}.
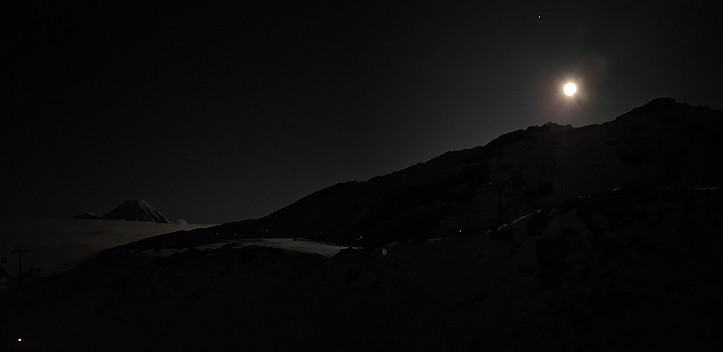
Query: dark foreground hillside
{"x": 636, "y": 268}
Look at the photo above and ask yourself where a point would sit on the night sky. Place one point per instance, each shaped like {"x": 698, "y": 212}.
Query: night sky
{"x": 222, "y": 111}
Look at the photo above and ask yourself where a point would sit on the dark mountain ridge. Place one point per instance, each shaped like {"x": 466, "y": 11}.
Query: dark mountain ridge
{"x": 662, "y": 143}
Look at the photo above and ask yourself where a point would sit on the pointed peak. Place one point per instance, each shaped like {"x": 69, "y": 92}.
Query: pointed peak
{"x": 136, "y": 202}
{"x": 136, "y": 210}
{"x": 87, "y": 216}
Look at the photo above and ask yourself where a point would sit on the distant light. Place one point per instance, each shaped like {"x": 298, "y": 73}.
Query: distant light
{"x": 569, "y": 89}
{"x": 20, "y": 339}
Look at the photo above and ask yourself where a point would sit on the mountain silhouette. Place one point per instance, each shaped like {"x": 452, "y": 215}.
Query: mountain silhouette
{"x": 662, "y": 143}
{"x": 136, "y": 210}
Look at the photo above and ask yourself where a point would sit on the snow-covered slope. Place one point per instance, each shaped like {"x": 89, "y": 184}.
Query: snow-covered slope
{"x": 663, "y": 143}
{"x": 136, "y": 210}
{"x": 631, "y": 269}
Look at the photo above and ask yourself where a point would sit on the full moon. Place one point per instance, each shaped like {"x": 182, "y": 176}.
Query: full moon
{"x": 569, "y": 89}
